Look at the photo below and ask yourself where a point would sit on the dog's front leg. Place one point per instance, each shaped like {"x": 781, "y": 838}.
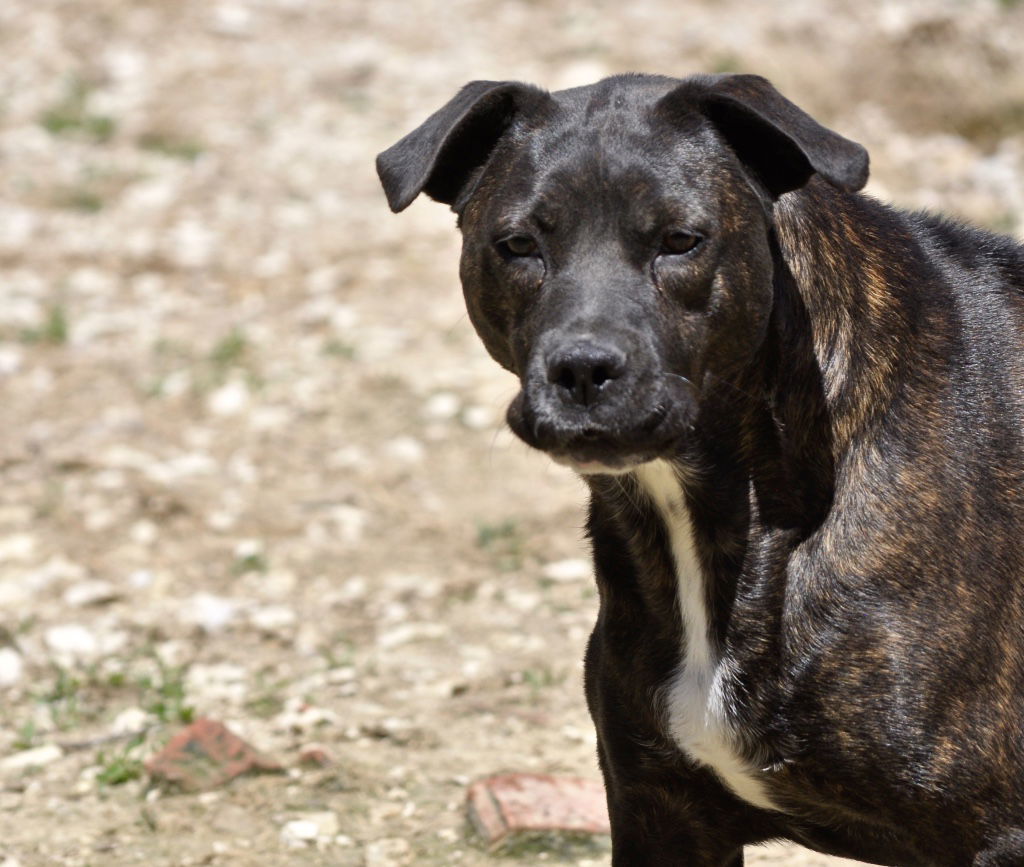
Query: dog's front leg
{"x": 642, "y": 838}
{"x": 665, "y": 810}
{"x": 654, "y": 826}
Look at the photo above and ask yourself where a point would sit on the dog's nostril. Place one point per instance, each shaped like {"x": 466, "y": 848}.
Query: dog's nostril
{"x": 583, "y": 370}
{"x": 566, "y": 378}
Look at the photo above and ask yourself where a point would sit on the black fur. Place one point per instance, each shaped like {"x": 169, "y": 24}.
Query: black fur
{"x": 840, "y": 389}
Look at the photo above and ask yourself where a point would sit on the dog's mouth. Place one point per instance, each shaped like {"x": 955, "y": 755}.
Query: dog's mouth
{"x": 604, "y": 441}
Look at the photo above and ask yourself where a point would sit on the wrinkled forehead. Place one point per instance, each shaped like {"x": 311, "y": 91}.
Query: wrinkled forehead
{"x": 607, "y": 151}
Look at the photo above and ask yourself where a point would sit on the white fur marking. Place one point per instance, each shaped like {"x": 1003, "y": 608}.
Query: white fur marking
{"x": 697, "y": 714}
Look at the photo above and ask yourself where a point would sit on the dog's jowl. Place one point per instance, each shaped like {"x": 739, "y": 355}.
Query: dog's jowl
{"x": 800, "y": 414}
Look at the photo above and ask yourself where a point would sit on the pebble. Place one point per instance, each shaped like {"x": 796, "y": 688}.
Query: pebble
{"x": 442, "y": 406}
{"x": 298, "y": 832}
{"x": 12, "y": 667}
{"x": 311, "y": 827}
{"x": 407, "y": 633}
{"x": 89, "y": 593}
{"x": 273, "y": 618}
{"x": 17, "y": 548}
{"x": 301, "y": 717}
{"x": 72, "y": 640}
{"x": 34, "y": 758}
{"x": 315, "y": 756}
{"x": 222, "y": 681}
{"x": 230, "y": 399}
{"x": 405, "y": 450}
{"x": 575, "y": 569}
{"x": 478, "y": 418}
{"x": 388, "y": 852}
{"x": 210, "y": 613}
{"x": 131, "y": 719}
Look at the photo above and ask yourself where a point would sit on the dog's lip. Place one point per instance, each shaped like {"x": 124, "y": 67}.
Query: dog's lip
{"x": 591, "y": 453}
{"x": 591, "y": 467}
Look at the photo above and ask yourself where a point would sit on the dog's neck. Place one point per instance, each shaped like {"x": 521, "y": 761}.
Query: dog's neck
{"x": 762, "y": 464}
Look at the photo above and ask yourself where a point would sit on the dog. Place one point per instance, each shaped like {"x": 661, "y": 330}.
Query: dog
{"x": 800, "y": 415}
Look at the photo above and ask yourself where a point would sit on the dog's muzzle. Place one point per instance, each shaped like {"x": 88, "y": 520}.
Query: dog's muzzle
{"x": 600, "y": 406}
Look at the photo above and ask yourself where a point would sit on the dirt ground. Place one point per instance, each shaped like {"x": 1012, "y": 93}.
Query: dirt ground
{"x": 253, "y": 462}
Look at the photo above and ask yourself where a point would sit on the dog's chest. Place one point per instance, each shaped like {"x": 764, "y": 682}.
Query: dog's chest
{"x": 697, "y": 695}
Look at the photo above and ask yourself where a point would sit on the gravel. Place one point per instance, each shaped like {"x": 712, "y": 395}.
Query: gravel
{"x": 253, "y": 462}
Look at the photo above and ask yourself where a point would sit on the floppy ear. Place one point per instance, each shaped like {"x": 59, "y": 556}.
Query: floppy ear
{"x": 781, "y": 144}
{"x": 441, "y": 156}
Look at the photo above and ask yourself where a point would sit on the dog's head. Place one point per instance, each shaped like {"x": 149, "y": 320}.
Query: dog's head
{"x": 616, "y": 252}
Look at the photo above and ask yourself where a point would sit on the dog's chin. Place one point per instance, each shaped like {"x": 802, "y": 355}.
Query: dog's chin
{"x": 603, "y": 446}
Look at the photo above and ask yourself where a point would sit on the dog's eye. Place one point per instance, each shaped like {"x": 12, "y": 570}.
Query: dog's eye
{"x": 518, "y": 246}
{"x": 677, "y": 242}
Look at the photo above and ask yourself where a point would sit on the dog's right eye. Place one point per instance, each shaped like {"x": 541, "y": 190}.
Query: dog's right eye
{"x": 518, "y": 246}
{"x": 679, "y": 242}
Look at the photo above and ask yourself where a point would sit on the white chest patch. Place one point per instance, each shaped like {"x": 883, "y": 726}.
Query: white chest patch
{"x": 698, "y": 715}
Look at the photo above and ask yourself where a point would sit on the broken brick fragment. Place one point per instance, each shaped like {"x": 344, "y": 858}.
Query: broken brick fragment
{"x": 507, "y": 804}
{"x": 315, "y": 756}
{"x": 206, "y": 755}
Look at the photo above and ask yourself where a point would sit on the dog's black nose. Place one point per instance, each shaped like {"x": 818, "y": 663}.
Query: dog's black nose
{"x": 584, "y": 369}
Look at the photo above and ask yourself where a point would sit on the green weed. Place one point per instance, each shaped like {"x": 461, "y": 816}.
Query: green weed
{"x": 122, "y": 766}
{"x": 504, "y": 541}
{"x": 170, "y": 145}
{"x": 71, "y": 117}
{"x": 53, "y": 330}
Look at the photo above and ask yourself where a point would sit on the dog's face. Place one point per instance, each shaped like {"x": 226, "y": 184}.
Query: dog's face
{"x": 616, "y": 250}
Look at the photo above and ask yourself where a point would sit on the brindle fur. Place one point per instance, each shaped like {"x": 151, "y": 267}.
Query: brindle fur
{"x": 851, "y": 450}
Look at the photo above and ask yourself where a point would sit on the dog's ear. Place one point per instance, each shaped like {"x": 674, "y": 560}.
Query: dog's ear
{"x": 441, "y": 156}
{"x": 780, "y": 143}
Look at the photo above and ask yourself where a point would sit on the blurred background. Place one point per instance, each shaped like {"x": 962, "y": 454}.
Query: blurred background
{"x": 253, "y": 462}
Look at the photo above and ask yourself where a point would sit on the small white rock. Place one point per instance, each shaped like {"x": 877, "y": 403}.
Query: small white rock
{"x": 140, "y": 578}
{"x": 300, "y": 717}
{"x": 325, "y": 822}
{"x": 34, "y": 758}
{"x": 405, "y": 450}
{"x": 10, "y": 360}
{"x": 131, "y": 719}
{"x": 12, "y": 666}
{"x": 407, "y": 633}
{"x": 351, "y": 523}
{"x": 246, "y": 548}
{"x": 442, "y": 406}
{"x": 87, "y": 593}
{"x": 71, "y": 640}
{"x": 17, "y": 547}
{"x": 478, "y": 418}
{"x": 222, "y": 681}
{"x": 389, "y": 852}
{"x": 230, "y": 399}
{"x": 210, "y": 613}
{"x": 567, "y": 570}
{"x": 299, "y": 832}
{"x": 144, "y": 532}
{"x": 272, "y": 618}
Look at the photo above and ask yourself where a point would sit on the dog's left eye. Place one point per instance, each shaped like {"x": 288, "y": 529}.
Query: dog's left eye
{"x": 677, "y": 242}
{"x": 518, "y": 246}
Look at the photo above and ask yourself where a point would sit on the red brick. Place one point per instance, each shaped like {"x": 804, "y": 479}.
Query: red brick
{"x": 206, "y": 755}
{"x": 529, "y": 803}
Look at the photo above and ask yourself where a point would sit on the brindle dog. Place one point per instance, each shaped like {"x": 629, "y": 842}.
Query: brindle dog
{"x": 801, "y": 416}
